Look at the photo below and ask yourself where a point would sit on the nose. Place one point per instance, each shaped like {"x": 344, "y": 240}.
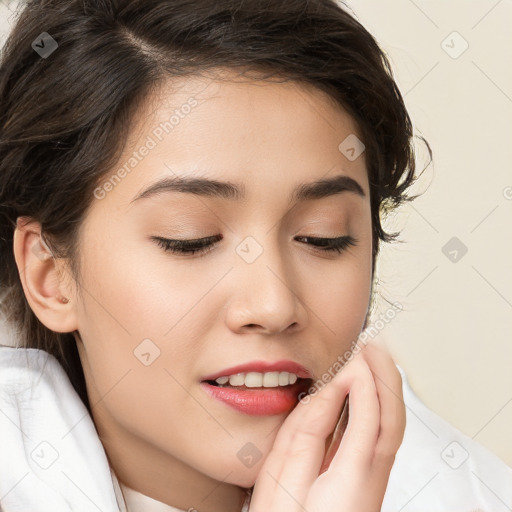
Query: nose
{"x": 267, "y": 297}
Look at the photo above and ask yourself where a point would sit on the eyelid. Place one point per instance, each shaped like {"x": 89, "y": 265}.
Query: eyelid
{"x": 188, "y": 247}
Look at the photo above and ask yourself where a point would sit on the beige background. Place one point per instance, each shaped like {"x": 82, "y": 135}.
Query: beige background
{"x": 453, "y": 337}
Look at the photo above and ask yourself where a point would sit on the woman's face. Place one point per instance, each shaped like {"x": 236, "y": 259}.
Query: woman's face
{"x": 153, "y": 324}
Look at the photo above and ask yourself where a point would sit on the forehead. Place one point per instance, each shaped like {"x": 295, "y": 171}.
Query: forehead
{"x": 254, "y": 132}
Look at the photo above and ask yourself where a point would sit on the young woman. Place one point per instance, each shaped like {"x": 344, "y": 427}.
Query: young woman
{"x": 191, "y": 195}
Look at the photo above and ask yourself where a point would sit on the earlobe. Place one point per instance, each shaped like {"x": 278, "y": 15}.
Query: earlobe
{"x": 42, "y": 278}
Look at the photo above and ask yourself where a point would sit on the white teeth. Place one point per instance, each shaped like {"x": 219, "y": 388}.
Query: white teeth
{"x": 253, "y": 380}
{"x": 284, "y": 378}
{"x": 270, "y": 379}
{"x": 237, "y": 380}
{"x": 258, "y": 380}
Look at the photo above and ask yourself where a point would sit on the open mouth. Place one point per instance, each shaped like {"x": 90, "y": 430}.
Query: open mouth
{"x": 302, "y": 384}
{"x": 275, "y": 389}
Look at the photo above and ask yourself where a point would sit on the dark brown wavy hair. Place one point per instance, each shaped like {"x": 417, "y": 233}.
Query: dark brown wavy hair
{"x": 64, "y": 119}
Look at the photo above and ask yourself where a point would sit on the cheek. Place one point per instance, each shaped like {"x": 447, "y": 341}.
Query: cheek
{"x": 338, "y": 297}
{"x": 138, "y": 354}
{"x": 342, "y": 304}
{"x": 133, "y": 320}
{"x": 136, "y": 290}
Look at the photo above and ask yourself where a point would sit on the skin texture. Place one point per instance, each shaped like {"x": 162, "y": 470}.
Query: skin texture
{"x": 164, "y": 436}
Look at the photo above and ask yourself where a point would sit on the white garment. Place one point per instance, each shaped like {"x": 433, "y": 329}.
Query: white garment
{"x": 51, "y": 459}
{"x": 438, "y": 468}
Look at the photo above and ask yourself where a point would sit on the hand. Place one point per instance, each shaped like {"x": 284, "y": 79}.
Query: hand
{"x": 357, "y": 477}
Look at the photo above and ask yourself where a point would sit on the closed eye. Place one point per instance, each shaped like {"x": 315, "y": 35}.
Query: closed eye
{"x": 204, "y": 245}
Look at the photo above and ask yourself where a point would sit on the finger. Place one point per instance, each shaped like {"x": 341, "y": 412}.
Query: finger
{"x": 357, "y": 446}
{"x": 389, "y": 390}
{"x": 266, "y": 482}
{"x": 308, "y": 444}
{"x": 299, "y": 448}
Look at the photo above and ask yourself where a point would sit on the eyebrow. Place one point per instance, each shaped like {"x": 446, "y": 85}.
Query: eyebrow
{"x": 207, "y": 187}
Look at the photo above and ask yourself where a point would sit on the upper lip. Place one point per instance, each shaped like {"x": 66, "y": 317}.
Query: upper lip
{"x": 263, "y": 367}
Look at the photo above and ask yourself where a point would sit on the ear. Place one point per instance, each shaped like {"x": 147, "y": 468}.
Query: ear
{"x": 47, "y": 283}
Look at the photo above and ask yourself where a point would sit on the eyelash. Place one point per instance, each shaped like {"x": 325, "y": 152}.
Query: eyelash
{"x": 203, "y": 245}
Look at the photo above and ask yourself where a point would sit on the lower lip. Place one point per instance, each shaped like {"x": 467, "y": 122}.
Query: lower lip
{"x": 258, "y": 401}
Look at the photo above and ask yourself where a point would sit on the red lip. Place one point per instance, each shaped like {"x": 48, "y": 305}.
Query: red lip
{"x": 263, "y": 367}
{"x": 258, "y": 401}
